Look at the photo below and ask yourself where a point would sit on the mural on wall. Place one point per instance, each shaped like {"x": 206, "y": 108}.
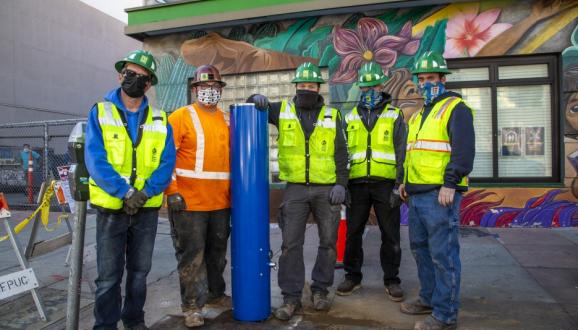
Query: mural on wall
{"x": 393, "y": 39}
{"x": 485, "y": 208}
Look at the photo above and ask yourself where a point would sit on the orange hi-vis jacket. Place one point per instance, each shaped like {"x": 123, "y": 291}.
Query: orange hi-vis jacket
{"x": 202, "y": 171}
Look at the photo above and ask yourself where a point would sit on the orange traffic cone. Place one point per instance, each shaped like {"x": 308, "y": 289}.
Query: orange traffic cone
{"x": 341, "y": 238}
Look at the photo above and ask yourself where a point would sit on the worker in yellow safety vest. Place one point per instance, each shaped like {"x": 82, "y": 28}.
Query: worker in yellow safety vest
{"x": 130, "y": 156}
{"x": 376, "y": 136}
{"x": 440, "y": 155}
{"x": 313, "y": 161}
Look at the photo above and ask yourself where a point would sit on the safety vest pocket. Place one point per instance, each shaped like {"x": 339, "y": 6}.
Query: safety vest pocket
{"x": 152, "y": 153}
{"x": 114, "y": 143}
{"x": 352, "y": 135}
{"x": 384, "y": 135}
{"x": 289, "y": 137}
{"x": 427, "y": 170}
{"x": 323, "y": 142}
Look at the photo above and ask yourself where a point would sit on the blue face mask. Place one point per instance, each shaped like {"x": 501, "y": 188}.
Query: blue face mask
{"x": 371, "y": 98}
{"x": 430, "y": 90}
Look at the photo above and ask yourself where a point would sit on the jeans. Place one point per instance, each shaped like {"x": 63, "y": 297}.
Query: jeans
{"x": 121, "y": 237}
{"x": 363, "y": 197}
{"x": 200, "y": 241}
{"x": 298, "y": 202}
{"x": 433, "y": 236}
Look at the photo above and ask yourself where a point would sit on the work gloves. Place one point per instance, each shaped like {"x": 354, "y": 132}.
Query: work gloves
{"x": 337, "y": 195}
{"x": 134, "y": 200}
{"x": 394, "y": 198}
{"x": 261, "y": 102}
{"x": 176, "y": 203}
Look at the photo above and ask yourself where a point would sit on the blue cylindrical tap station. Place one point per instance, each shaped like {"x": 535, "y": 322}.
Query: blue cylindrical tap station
{"x": 250, "y": 270}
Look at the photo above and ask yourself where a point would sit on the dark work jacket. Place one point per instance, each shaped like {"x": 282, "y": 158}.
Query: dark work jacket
{"x": 369, "y": 118}
{"x": 462, "y": 142}
{"x": 308, "y": 118}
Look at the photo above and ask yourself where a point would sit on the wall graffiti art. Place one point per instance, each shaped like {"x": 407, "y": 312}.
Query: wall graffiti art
{"x": 485, "y": 208}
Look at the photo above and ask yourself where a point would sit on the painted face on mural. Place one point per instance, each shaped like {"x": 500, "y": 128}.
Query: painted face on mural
{"x": 404, "y": 92}
{"x": 572, "y": 111}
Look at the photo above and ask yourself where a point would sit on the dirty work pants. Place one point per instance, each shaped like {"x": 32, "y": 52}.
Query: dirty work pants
{"x": 363, "y": 197}
{"x": 433, "y": 238}
{"x": 298, "y": 202}
{"x": 123, "y": 239}
{"x": 200, "y": 241}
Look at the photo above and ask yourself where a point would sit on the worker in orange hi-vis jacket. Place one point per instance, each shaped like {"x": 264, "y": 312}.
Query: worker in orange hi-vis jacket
{"x": 198, "y": 197}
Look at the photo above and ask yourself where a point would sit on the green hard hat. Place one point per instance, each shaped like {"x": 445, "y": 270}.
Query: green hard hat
{"x": 308, "y": 72}
{"x": 431, "y": 62}
{"x": 370, "y": 74}
{"x": 142, "y": 58}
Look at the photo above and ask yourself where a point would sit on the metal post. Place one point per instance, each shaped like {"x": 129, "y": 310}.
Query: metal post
{"x": 30, "y": 247}
{"x": 30, "y": 177}
{"x": 78, "y": 180}
{"x": 24, "y": 265}
{"x": 250, "y": 266}
{"x": 45, "y": 162}
{"x": 75, "y": 275}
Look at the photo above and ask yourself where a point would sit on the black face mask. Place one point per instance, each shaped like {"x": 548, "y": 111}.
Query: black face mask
{"x": 306, "y": 99}
{"x": 134, "y": 86}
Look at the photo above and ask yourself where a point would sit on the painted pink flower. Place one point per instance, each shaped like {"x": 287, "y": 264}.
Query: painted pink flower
{"x": 467, "y": 32}
{"x": 369, "y": 43}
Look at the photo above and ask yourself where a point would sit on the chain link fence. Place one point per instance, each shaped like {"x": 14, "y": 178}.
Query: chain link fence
{"x": 41, "y": 146}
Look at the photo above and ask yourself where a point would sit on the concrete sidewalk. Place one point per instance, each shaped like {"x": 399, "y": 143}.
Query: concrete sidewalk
{"x": 511, "y": 279}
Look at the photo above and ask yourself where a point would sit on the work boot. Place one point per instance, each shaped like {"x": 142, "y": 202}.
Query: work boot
{"x": 415, "y": 307}
{"x": 394, "y": 292}
{"x": 347, "y": 287}
{"x": 431, "y": 323}
{"x": 285, "y": 312}
{"x": 223, "y": 301}
{"x": 193, "y": 318}
{"x": 320, "y": 301}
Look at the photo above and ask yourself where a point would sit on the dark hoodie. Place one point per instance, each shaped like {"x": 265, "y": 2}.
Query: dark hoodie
{"x": 308, "y": 118}
{"x": 369, "y": 118}
{"x": 462, "y": 141}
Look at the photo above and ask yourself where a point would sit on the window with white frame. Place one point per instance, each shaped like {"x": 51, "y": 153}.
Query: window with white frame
{"x": 516, "y": 116}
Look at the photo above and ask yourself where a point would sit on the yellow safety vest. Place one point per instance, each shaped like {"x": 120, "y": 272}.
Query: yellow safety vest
{"x": 120, "y": 153}
{"x": 372, "y": 154}
{"x": 428, "y": 148}
{"x": 307, "y": 161}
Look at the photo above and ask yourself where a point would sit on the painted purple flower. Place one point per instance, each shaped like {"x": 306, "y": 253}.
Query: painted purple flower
{"x": 369, "y": 43}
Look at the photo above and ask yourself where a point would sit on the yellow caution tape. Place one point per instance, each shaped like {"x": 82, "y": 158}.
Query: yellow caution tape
{"x": 44, "y": 209}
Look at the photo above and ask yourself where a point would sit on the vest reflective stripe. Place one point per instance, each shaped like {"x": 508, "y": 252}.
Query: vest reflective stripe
{"x": 119, "y": 148}
{"x": 295, "y": 163}
{"x": 198, "y": 172}
{"x": 202, "y": 175}
{"x": 441, "y": 146}
{"x": 428, "y": 146}
{"x": 376, "y": 145}
{"x": 362, "y": 155}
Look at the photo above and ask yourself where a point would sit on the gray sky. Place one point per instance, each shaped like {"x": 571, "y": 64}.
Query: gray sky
{"x": 114, "y": 8}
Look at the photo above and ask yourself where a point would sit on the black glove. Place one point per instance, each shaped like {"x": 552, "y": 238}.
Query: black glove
{"x": 394, "y": 199}
{"x": 176, "y": 203}
{"x": 129, "y": 210}
{"x": 337, "y": 195}
{"x": 135, "y": 200}
{"x": 261, "y": 102}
